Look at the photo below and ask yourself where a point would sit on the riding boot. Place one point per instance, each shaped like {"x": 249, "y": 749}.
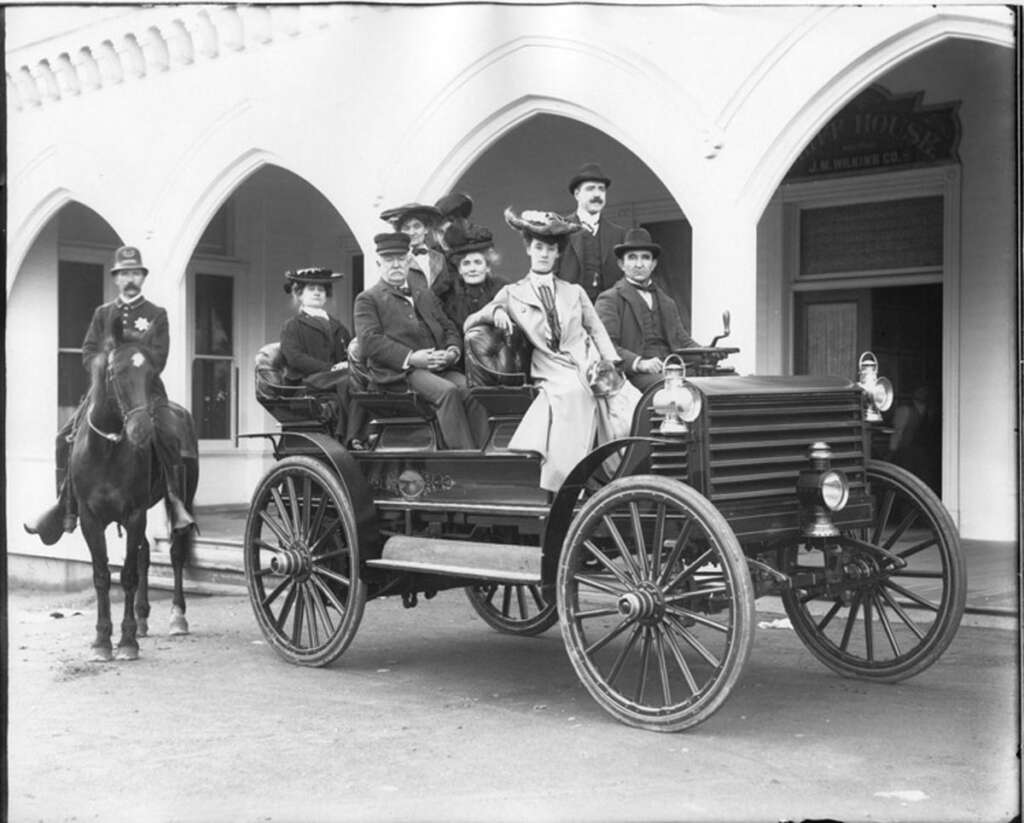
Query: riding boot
{"x": 63, "y": 515}
{"x": 181, "y": 520}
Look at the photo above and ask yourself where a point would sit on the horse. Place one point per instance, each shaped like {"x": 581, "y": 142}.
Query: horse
{"x": 116, "y": 478}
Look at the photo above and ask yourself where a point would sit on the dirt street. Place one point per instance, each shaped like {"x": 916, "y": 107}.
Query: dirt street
{"x": 432, "y": 716}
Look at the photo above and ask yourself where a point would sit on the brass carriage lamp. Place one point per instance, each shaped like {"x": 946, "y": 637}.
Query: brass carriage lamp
{"x": 877, "y": 390}
{"x": 822, "y": 490}
{"x": 677, "y": 402}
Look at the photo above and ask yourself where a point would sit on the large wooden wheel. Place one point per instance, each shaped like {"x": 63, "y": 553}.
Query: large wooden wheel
{"x": 887, "y": 599}
{"x": 515, "y": 608}
{"x": 655, "y": 603}
{"x": 302, "y": 562}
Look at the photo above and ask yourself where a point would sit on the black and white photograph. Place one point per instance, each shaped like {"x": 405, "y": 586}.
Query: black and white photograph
{"x": 557, "y": 412}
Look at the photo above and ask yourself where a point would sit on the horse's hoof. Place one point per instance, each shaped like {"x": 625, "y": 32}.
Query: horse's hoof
{"x": 141, "y": 627}
{"x": 127, "y": 653}
{"x": 101, "y": 654}
{"x": 179, "y": 625}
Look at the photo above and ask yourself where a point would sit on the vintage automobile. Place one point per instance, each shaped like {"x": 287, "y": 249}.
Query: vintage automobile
{"x": 649, "y": 557}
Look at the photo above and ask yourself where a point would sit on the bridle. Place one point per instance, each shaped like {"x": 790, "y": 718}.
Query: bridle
{"x": 112, "y": 388}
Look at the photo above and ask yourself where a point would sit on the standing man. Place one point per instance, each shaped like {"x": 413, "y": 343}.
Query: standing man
{"x": 590, "y": 259}
{"x": 642, "y": 320}
{"x": 408, "y": 340}
{"x": 131, "y": 318}
{"x": 420, "y": 222}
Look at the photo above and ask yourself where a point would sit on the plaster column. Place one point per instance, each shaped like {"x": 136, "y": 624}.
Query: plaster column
{"x": 725, "y": 277}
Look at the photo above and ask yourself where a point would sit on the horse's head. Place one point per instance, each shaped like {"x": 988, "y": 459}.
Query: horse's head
{"x": 130, "y": 375}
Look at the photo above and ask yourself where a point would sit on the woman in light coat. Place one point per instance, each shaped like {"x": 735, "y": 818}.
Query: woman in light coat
{"x": 567, "y": 336}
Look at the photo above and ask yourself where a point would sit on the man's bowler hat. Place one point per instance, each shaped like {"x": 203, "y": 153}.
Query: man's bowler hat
{"x": 309, "y": 277}
{"x": 395, "y": 242}
{"x": 637, "y": 240}
{"x": 588, "y": 171}
{"x": 455, "y": 204}
{"x": 428, "y": 215}
{"x": 128, "y": 258}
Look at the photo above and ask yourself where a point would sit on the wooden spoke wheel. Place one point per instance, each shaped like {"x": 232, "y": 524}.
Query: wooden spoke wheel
{"x": 887, "y": 599}
{"x": 655, "y": 603}
{"x": 515, "y": 608}
{"x": 302, "y": 562}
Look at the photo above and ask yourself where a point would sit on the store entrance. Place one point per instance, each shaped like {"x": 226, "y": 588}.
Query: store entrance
{"x": 902, "y": 325}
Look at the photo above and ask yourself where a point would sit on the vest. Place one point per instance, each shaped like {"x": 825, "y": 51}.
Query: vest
{"x": 653, "y": 326}
{"x": 590, "y": 260}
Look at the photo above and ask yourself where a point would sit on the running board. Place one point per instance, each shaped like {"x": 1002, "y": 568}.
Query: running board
{"x": 461, "y": 558}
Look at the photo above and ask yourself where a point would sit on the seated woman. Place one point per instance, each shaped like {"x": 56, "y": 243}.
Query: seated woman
{"x": 567, "y": 336}
{"x": 470, "y": 252}
{"x": 314, "y": 346}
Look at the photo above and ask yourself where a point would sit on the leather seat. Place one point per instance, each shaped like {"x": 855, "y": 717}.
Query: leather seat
{"x": 289, "y": 402}
{"x": 496, "y": 359}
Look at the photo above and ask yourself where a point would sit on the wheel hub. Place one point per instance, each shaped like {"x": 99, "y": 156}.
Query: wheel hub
{"x": 291, "y": 561}
{"x": 644, "y": 604}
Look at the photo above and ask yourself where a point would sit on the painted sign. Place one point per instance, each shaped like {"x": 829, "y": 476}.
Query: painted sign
{"x": 879, "y": 130}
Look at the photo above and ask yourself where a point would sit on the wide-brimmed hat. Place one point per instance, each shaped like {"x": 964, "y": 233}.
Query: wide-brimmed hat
{"x": 637, "y": 240}
{"x": 309, "y": 277}
{"x": 391, "y": 242}
{"x": 589, "y": 171}
{"x": 455, "y": 204}
{"x": 128, "y": 257}
{"x": 428, "y": 215}
{"x": 464, "y": 237}
{"x": 546, "y": 225}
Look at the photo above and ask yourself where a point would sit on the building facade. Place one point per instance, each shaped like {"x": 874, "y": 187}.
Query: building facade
{"x": 838, "y": 178}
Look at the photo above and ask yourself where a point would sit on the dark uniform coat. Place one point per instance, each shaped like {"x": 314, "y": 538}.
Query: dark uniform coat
{"x": 388, "y": 327}
{"x": 620, "y": 309}
{"x": 309, "y": 347}
{"x": 570, "y": 264}
{"x": 141, "y": 322}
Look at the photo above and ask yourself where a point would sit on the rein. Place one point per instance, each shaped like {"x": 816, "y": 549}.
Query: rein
{"x": 114, "y": 437}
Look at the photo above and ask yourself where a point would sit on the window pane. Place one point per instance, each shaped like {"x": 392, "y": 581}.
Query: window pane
{"x": 893, "y": 234}
{"x": 79, "y": 292}
{"x": 72, "y": 379}
{"x": 211, "y": 398}
{"x": 214, "y": 319}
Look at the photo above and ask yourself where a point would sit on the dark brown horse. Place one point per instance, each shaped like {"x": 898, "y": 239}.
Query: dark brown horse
{"x": 115, "y": 476}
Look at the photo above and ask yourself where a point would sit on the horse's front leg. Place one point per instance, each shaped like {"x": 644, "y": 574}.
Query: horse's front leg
{"x": 92, "y": 531}
{"x": 128, "y": 645}
{"x": 142, "y": 596}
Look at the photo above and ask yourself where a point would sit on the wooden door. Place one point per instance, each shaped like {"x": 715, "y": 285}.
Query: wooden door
{"x": 831, "y": 329}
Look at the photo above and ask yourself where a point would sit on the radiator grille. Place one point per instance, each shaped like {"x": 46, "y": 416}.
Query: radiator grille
{"x": 755, "y": 446}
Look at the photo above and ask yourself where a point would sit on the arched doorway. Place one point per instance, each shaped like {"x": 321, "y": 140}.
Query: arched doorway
{"x": 273, "y": 221}
{"x": 886, "y": 247}
{"x": 530, "y": 167}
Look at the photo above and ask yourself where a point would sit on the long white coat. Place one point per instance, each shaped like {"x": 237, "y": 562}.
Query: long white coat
{"x": 561, "y": 423}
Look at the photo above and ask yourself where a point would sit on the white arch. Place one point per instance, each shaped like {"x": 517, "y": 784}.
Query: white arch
{"x": 844, "y": 84}
{"x": 26, "y": 232}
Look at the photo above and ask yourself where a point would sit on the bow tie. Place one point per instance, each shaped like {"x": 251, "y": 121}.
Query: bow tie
{"x": 648, "y": 286}
{"x": 420, "y": 250}
{"x": 403, "y": 290}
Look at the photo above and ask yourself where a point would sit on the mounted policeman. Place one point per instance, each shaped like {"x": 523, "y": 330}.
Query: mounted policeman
{"x": 129, "y": 319}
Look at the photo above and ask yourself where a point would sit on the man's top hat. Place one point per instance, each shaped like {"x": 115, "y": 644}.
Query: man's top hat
{"x": 455, "y": 204}
{"x": 463, "y": 238}
{"x": 391, "y": 242}
{"x": 588, "y": 171}
{"x": 546, "y": 225}
{"x": 428, "y": 215}
{"x": 128, "y": 257}
{"x": 309, "y": 277}
{"x": 637, "y": 240}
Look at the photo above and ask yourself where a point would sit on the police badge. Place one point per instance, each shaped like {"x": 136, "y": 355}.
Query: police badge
{"x": 142, "y": 324}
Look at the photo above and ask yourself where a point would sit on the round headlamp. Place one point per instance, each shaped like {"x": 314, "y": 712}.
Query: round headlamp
{"x": 835, "y": 490}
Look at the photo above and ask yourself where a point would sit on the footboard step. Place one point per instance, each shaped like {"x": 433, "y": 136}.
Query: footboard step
{"x": 461, "y": 558}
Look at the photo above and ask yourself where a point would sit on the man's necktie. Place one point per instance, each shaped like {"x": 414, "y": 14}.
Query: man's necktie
{"x": 648, "y": 286}
{"x": 547, "y": 298}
